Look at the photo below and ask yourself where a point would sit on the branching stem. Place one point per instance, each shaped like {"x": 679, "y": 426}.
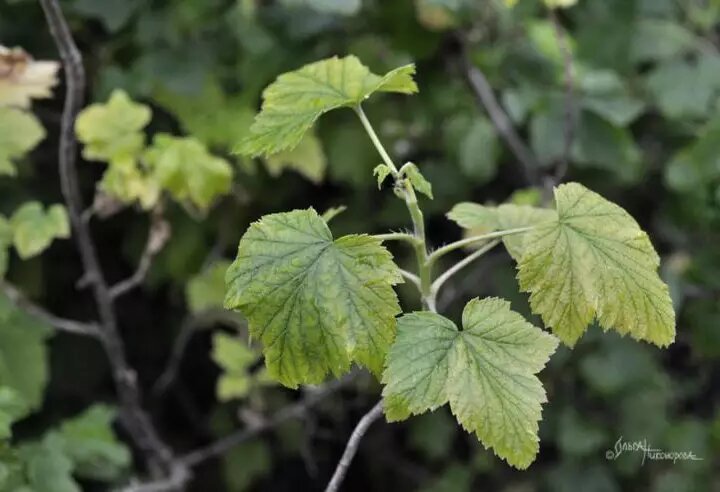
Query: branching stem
{"x": 448, "y": 248}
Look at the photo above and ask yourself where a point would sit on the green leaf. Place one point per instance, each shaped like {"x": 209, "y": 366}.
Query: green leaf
{"x": 20, "y": 132}
{"x": 235, "y": 358}
{"x": 184, "y": 167}
{"x": 480, "y": 219}
{"x": 297, "y": 99}
{"x": 333, "y": 212}
{"x": 6, "y": 235}
{"x": 34, "y": 228}
{"x": 113, "y": 130}
{"x": 92, "y": 446}
{"x": 485, "y": 371}
{"x": 12, "y": 408}
{"x": 23, "y": 354}
{"x": 417, "y": 180}
{"x": 316, "y": 303}
{"x": 382, "y": 171}
{"x": 307, "y": 158}
{"x": 659, "y": 39}
{"x": 48, "y": 467}
{"x": 697, "y": 164}
{"x": 206, "y": 290}
{"x": 595, "y": 261}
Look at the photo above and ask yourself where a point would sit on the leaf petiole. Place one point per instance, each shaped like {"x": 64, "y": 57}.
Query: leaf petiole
{"x": 440, "y": 252}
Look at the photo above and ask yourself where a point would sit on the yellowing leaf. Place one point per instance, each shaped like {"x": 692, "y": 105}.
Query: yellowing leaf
{"x": 20, "y": 132}
{"x": 307, "y": 158}
{"x": 113, "y": 130}
{"x": 23, "y": 79}
{"x": 316, "y": 303}
{"x": 126, "y": 181}
{"x": 297, "y": 99}
{"x": 235, "y": 358}
{"x": 595, "y": 261}
{"x": 34, "y": 229}
{"x": 485, "y": 371}
{"x": 184, "y": 167}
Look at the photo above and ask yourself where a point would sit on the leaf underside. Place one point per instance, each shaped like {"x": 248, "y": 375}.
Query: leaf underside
{"x": 485, "y": 372}
{"x": 317, "y": 304}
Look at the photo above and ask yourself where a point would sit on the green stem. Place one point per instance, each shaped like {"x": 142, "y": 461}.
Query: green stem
{"x": 419, "y": 240}
{"x": 396, "y": 236}
{"x": 461, "y": 264}
{"x": 375, "y": 140}
{"x": 440, "y": 252}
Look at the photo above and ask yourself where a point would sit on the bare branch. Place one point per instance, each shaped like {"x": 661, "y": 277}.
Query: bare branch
{"x": 352, "y": 446}
{"x": 570, "y": 110}
{"x": 293, "y": 411}
{"x": 187, "y": 330}
{"x": 62, "y": 324}
{"x": 157, "y": 454}
{"x": 158, "y": 235}
{"x": 177, "y": 478}
{"x": 485, "y": 96}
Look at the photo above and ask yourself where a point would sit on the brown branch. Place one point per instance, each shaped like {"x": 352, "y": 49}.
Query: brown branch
{"x": 156, "y": 453}
{"x": 570, "y": 110}
{"x": 62, "y": 324}
{"x": 485, "y": 96}
{"x": 352, "y": 446}
{"x": 158, "y": 235}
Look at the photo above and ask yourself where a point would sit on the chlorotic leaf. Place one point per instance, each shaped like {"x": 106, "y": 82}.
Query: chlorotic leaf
{"x": 128, "y": 182}
{"x": 316, "y": 303}
{"x": 20, "y": 132}
{"x": 486, "y": 371}
{"x": 297, "y": 99}
{"x": 113, "y": 130}
{"x": 23, "y": 79}
{"x": 417, "y": 180}
{"x": 184, "y": 168}
{"x": 381, "y": 171}
{"x": 307, "y": 158}
{"x": 34, "y": 228}
{"x": 92, "y": 446}
{"x": 595, "y": 261}
{"x": 481, "y": 219}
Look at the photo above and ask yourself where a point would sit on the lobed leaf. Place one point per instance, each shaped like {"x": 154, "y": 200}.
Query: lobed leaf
{"x": 317, "y": 304}
{"x": 20, "y": 132}
{"x": 595, "y": 261}
{"x": 293, "y": 103}
{"x": 34, "y": 229}
{"x": 486, "y": 372}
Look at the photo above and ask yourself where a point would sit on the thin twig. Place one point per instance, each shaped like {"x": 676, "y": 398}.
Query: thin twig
{"x": 569, "y": 107}
{"x": 485, "y": 96}
{"x": 156, "y": 453}
{"x": 158, "y": 235}
{"x": 438, "y": 283}
{"x": 352, "y": 446}
{"x": 292, "y": 411}
{"x": 187, "y": 330}
{"x": 68, "y": 325}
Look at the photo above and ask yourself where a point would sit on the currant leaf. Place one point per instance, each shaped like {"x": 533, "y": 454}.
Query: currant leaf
{"x": 297, "y": 99}
{"x": 317, "y": 304}
{"x": 185, "y": 168}
{"x": 20, "y": 132}
{"x": 486, "y": 372}
{"x": 34, "y": 229}
{"x": 417, "y": 180}
{"x": 595, "y": 261}
{"x": 113, "y": 130}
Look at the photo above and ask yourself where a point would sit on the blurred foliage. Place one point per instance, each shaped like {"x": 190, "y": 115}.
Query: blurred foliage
{"x": 647, "y": 122}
